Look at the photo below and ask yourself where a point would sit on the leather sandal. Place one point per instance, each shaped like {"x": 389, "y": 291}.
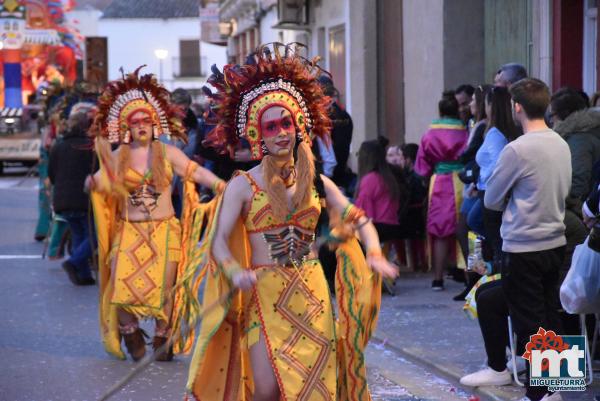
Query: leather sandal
{"x": 136, "y": 346}
{"x": 165, "y": 355}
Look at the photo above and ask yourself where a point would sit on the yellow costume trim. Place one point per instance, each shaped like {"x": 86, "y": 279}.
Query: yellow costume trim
{"x": 358, "y": 297}
{"x": 470, "y": 306}
{"x": 105, "y": 210}
{"x": 260, "y": 216}
{"x": 461, "y": 263}
{"x": 446, "y": 126}
{"x": 190, "y": 170}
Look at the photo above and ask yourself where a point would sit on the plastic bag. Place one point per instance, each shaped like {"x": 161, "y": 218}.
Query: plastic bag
{"x": 580, "y": 291}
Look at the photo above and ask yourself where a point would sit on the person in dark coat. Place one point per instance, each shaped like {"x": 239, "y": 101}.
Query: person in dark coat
{"x": 341, "y": 136}
{"x": 70, "y": 163}
{"x": 580, "y": 127}
{"x": 222, "y": 165}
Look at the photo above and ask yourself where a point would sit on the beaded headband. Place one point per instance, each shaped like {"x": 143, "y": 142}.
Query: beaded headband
{"x": 124, "y": 97}
{"x": 273, "y": 79}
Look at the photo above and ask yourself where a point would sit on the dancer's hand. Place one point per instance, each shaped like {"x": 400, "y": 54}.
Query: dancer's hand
{"x": 381, "y": 265}
{"x": 244, "y": 279}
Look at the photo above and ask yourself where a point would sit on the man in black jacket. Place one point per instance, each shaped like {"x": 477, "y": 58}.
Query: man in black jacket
{"x": 70, "y": 163}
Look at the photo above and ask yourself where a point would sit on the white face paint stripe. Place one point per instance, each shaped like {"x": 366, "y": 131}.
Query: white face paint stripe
{"x": 5, "y": 257}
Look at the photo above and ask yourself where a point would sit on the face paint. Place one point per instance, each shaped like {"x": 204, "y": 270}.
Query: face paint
{"x": 278, "y": 130}
{"x": 140, "y": 125}
{"x": 275, "y": 120}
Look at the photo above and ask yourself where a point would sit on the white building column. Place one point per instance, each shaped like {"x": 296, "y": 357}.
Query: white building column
{"x": 541, "y": 35}
{"x": 361, "y": 67}
{"x": 423, "y": 41}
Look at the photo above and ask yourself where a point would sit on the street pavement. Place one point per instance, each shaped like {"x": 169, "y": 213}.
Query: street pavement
{"x": 50, "y": 348}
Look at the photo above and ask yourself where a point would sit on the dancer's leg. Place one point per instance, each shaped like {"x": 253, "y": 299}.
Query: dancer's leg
{"x": 441, "y": 248}
{"x": 265, "y": 383}
{"x": 162, "y": 327}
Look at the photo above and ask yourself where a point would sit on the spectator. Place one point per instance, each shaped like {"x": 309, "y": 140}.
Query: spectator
{"x": 393, "y": 156}
{"x": 492, "y": 314}
{"x": 585, "y": 97}
{"x": 509, "y": 73}
{"x": 182, "y": 98}
{"x": 326, "y": 157}
{"x": 379, "y": 193}
{"x": 580, "y": 127}
{"x": 477, "y": 107}
{"x": 341, "y": 135}
{"x": 222, "y": 165}
{"x": 501, "y": 129}
{"x": 530, "y": 184}
{"x": 412, "y": 220}
{"x": 438, "y": 156}
{"x": 464, "y": 94}
{"x": 595, "y": 101}
{"x": 70, "y": 163}
{"x": 471, "y": 215}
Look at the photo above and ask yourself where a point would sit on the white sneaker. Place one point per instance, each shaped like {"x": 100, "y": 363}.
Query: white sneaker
{"x": 553, "y": 397}
{"x": 487, "y": 377}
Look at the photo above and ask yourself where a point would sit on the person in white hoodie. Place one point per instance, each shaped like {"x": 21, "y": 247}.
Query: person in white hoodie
{"x": 530, "y": 184}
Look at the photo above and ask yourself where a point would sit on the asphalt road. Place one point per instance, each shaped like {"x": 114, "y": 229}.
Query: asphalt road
{"x": 50, "y": 347}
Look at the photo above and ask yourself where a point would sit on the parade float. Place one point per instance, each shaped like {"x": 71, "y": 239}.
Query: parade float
{"x": 39, "y": 51}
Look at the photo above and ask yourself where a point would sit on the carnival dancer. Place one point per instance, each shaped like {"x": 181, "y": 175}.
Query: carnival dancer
{"x": 437, "y": 158}
{"x": 139, "y": 239}
{"x": 276, "y": 338}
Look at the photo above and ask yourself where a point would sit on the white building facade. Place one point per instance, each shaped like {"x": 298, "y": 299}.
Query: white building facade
{"x": 133, "y": 42}
{"x": 138, "y": 32}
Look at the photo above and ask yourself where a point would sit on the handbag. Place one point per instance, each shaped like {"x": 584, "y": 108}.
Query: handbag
{"x": 470, "y": 173}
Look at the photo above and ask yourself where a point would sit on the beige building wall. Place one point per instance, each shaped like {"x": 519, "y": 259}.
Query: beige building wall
{"x": 423, "y": 43}
{"x": 362, "y": 72}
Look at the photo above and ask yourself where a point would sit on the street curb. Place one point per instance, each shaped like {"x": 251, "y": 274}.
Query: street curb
{"x": 414, "y": 355}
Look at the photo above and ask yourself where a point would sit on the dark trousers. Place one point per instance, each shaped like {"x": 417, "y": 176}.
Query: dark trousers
{"x": 387, "y": 232}
{"x": 530, "y": 284}
{"x": 81, "y": 242}
{"x": 492, "y": 252}
{"x": 492, "y": 313}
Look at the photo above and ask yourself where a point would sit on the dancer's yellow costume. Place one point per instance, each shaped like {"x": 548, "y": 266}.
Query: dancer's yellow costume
{"x": 313, "y": 355}
{"x": 140, "y": 250}
{"x": 292, "y": 308}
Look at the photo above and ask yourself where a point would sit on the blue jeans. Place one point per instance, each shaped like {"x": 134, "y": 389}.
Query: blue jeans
{"x": 80, "y": 241}
{"x": 475, "y": 217}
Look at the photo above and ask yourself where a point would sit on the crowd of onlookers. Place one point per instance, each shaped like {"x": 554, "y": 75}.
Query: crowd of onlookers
{"x": 508, "y": 167}
{"x": 505, "y": 167}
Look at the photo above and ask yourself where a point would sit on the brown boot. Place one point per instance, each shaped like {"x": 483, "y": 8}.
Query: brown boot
{"x": 165, "y": 355}
{"x": 135, "y": 344}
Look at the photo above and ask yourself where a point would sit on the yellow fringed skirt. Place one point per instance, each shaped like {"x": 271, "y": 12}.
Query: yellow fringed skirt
{"x": 142, "y": 251}
{"x": 292, "y": 309}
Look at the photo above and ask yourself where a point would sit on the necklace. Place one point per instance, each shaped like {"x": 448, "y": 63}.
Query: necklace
{"x": 290, "y": 180}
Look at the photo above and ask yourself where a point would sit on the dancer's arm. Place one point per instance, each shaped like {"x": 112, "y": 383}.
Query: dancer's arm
{"x": 366, "y": 230}
{"x": 230, "y": 210}
{"x": 200, "y": 175}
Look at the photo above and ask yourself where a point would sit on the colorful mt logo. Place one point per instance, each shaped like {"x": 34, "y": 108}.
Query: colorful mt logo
{"x": 558, "y": 362}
